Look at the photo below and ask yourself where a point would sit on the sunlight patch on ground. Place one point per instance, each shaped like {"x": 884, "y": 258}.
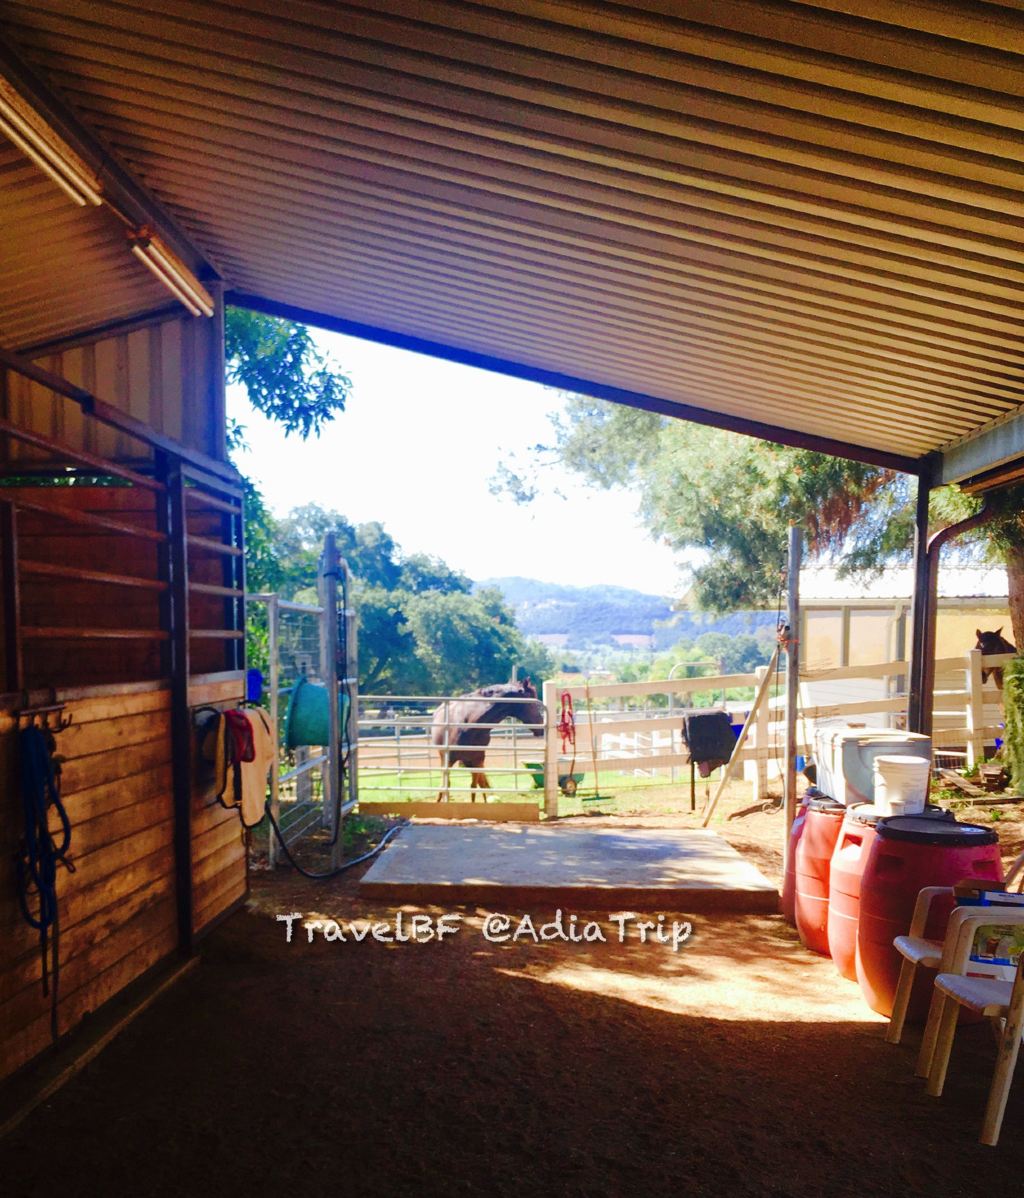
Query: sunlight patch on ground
{"x": 731, "y": 994}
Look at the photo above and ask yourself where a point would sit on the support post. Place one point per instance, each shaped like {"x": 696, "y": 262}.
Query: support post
{"x": 923, "y": 608}
{"x": 551, "y": 748}
{"x": 762, "y": 734}
{"x": 329, "y": 672}
{"x": 174, "y": 521}
{"x": 975, "y": 709}
{"x": 351, "y": 757}
{"x": 274, "y": 681}
{"x": 795, "y": 554}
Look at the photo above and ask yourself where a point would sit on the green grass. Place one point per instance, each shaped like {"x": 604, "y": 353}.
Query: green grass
{"x": 620, "y": 793}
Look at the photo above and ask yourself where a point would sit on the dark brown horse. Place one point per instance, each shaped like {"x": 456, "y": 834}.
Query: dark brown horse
{"x": 462, "y": 727}
{"x": 990, "y": 643}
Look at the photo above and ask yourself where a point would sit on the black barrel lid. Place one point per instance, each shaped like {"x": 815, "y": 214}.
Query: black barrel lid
{"x": 867, "y": 813}
{"x": 824, "y": 803}
{"x": 923, "y": 830}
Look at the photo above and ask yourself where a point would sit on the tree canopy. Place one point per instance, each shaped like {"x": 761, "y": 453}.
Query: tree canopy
{"x": 422, "y": 629}
{"x": 729, "y": 500}
{"x": 284, "y": 374}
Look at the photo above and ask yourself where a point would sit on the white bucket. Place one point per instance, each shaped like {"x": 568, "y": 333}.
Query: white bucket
{"x": 901, "y": 783}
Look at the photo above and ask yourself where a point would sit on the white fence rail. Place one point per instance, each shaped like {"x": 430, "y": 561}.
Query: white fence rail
{"x": 397, "y": 752}
{"x": 611, "y": 735}
{"x": 968, "y": 713}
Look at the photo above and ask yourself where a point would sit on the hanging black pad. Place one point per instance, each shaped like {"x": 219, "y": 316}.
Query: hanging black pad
{"x": 709, "y": 738}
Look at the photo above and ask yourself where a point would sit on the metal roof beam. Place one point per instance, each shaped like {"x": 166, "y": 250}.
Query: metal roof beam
{"x": 564, "y": 382}
{"x": 998, "y": 445}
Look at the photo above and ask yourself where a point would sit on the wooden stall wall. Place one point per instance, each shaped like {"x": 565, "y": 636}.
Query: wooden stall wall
{"x": 167, "y": 371}
{"x": 219, "y": 877}
{"x": 124, "y": 560}
{"x": 58, "y": 606}
{"x": 117, "y": 910}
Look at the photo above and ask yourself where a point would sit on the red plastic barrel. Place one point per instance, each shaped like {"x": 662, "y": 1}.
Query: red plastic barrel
{"x": 813, "y": 862}
{"x": 789, "y": 882}
{"x": 909, "y": 853}
{"x": 856, "y": 837}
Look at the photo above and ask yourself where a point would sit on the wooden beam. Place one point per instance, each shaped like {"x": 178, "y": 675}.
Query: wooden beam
{"x": 108, "y": 414}
{"x": 175, "y": 564}
{"x": 55, "y": 570}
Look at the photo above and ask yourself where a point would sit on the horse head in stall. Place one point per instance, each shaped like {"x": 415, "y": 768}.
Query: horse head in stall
{"x": 461, "y": 728}
{"x": 990, "y": 643}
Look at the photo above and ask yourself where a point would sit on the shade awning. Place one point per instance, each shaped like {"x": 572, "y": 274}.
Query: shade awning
{"x": 807, "y": 215}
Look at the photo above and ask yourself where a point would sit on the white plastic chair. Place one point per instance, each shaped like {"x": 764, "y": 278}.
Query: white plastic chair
{"x": 996, "y": 999}
{"x": 917, "y": 950}
{"x": 956, "y": 953}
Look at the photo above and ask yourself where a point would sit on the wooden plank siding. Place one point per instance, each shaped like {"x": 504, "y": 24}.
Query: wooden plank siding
{"x": 64, "y": 601}
{"x": 117, "y": 910}
{"x": 219, "y": 844}
{"x": 166, "y": 371}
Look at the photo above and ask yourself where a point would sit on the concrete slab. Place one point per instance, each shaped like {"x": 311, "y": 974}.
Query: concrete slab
{"x": 600, "y": 868}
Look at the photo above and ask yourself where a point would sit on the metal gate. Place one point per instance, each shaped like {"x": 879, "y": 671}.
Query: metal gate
{"x": 314, "y": 785}
{"x": 398, "y": 761}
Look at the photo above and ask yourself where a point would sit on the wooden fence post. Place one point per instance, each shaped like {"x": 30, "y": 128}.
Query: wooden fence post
{"x": 551, "y": 749}
{"x": 975, "y": 705}
{"x": 762, "y": 734}
{"x": 730, "y": 766}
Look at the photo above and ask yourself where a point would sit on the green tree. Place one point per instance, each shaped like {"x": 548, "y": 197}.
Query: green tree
{"x": 422, "y": 629}
{"x": 284, "y": 374}
{"x": 731, "y": 499}
{"x": 738, "y": 654}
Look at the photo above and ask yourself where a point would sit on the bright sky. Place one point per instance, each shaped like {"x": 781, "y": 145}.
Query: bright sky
{"x": 415, "y": 449}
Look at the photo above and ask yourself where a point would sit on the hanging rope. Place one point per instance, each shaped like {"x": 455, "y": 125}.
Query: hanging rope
{"x": 567, "y": 731}
{"x": 567, "y": 723}
{"x": 39, "y": 854}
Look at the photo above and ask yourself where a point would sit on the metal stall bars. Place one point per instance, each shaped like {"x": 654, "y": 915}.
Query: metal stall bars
{"x": 399, "y": 763}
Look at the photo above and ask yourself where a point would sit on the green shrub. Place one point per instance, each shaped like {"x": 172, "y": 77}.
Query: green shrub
{"x": 1013, "y": 700}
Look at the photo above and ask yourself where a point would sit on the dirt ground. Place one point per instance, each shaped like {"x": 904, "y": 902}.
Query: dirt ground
{"x": 739, "y": 1065}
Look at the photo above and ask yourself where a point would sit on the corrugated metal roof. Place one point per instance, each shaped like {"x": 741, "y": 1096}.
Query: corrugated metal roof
{"x": 804, "y": 214}
{"x": 62, "y": 268}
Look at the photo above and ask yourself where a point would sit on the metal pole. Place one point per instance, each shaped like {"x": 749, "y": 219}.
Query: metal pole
{"x": 795, "y": 555}
{"x": 923, "y": 605}
{"x": 446, "y": 771}
{"x": 273, "y": 616}
{"x": 352, "y": 687}
{"x": 550, "y": 696}
{"x": 329, "y": 669}
{"x": 926, "y": 685}
{"x": 173, "y": 520}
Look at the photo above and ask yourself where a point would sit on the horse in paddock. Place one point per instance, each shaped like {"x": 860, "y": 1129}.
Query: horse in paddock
{"x": 468, "y": 721}
{"x": 993, "y": 642}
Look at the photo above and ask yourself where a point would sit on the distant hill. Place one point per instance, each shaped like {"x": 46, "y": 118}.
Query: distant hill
{"x": 600, "y": 615}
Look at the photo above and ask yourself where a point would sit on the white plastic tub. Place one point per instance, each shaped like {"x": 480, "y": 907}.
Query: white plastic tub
{"x": 901, "y": 783}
